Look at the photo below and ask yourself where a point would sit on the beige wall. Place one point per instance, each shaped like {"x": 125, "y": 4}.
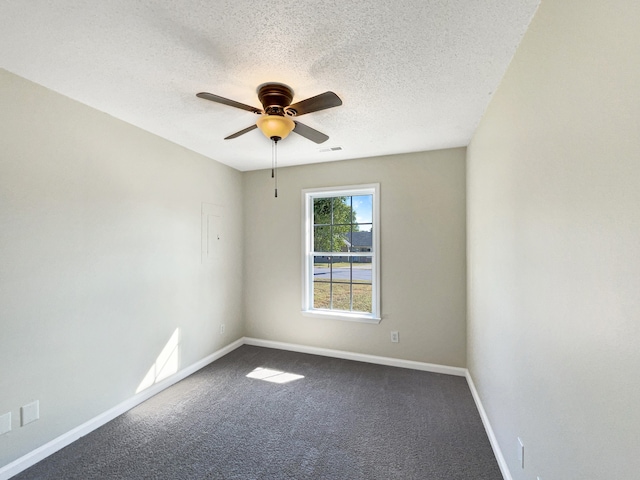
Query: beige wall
{"x": 422, "y": 264}
{"x": 100, "y": 259}
{"x": 554, "y": 246}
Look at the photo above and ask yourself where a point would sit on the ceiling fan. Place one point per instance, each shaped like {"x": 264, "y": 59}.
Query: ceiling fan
{"x": 277, "y": 111}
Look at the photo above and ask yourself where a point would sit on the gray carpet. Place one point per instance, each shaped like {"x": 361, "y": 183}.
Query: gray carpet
{"x": 343, "y": 420}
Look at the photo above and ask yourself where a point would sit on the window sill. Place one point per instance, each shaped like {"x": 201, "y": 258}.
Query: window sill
{"x": 350, "y": 317}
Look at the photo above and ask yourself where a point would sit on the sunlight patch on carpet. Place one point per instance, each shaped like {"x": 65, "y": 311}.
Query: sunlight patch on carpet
{"x": 274, "y": 376}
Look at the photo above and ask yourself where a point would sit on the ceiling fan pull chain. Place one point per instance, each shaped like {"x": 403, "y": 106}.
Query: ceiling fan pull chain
{"x": 272, "y": 159}
{"x": 275, "y": 149}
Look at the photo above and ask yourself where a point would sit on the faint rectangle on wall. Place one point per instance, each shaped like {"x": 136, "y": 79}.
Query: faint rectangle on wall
{"x": 212, "y": 232}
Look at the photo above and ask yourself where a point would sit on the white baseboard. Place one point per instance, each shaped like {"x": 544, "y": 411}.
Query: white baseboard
{"x": 65, "y": 439}
{"x": 71, "y": 436}
{"x": 506, "y": 474}
{"x": 359, "y": 357}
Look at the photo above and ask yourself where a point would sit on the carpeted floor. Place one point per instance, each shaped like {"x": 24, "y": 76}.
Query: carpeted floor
{"x": 344, "y": 420}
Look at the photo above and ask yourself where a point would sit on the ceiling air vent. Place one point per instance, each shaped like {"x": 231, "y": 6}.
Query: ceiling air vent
{"x": 332, "y": 149}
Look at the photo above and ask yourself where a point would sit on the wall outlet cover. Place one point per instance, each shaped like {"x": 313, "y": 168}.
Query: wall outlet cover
{"x": 5, "y": 423}
{"x": 30, "y": 413}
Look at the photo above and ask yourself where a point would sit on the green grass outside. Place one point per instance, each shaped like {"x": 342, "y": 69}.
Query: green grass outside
{"x": 341, "y": 296}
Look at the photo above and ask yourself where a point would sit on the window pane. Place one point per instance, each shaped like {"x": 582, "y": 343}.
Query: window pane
{"x": 340, "y": 269}
{"x": 322, "y": 211}
{"x": 361, "y": 270}
{"x": 362, "y": 208}
{"x": 361, "y": 240}
{"x": 342, "y": 213}
{"x": 321, "y": 269}
{"x": 321, "y": 295}
{"x": 322, "y": 239}
{"x": 340, "y": 238}
{"x": 362, "y": 297}
{"x": 341, "y": 296}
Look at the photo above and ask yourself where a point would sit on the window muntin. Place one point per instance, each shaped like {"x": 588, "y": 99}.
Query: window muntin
{"x": 340, "y": 247}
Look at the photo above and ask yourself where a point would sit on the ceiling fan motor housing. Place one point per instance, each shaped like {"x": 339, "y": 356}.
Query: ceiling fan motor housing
{"x": 275, "y": 98}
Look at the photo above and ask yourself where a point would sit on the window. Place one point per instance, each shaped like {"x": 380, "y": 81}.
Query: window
{"x": 341, "y": 253}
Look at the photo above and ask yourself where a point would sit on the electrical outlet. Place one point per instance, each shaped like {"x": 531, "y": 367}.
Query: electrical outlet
{"x": 221, "y": 328}
{"x": 520, "y": 453}
{"x": 5, "y": 423}
{"x": 395, "y": 337}
{"x": 29, "y": 413}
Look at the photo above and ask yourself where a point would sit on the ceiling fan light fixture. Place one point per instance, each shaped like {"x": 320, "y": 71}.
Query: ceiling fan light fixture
{"x": 275, "y": 126}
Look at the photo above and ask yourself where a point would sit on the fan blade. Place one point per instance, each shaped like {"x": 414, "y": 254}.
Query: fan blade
{"x": 241, "y": 132}
{"x": 226, "y": 101}
{"x": 319, "y": 102}
{"x": 309, "y": 133}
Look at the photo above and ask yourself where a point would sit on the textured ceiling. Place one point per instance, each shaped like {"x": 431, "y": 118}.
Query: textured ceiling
{"x": 413, "y": 75}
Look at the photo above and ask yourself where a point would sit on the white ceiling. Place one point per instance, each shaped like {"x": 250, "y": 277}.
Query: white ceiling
{"x": 413, "y": 75}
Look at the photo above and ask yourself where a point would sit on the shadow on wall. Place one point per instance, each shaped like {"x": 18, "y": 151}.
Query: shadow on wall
{"x": 165, "y": 365}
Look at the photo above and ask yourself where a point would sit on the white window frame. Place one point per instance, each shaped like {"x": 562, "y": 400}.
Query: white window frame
{"x": 307, "y": 252}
